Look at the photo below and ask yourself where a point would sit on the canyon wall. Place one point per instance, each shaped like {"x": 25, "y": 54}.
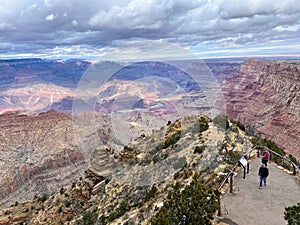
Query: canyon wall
{"x": 265, "y": 95}
{"x": 38, "y": 154}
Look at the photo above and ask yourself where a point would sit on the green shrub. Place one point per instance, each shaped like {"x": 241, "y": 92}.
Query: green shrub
{"x": 178, "y": 175}
{"x": 292, "y": 214}
{"x": 62, "y": 190}
{"x": 43, "y": 198}
{"x": 238, "y": 124}
{"x": 200, "y": 149}
{"x": 171, "y": 140}
{"x": 268, "y": 143}
{"x": 184, "y": 173}
{"x": 196, "y": 204}
{"x": 120, "y": 211}
{"x": 234, "y": 156}
{"x": 151, "y": 193}
{"x": 203, "y": 124}
{"x": 67, "y": 203}
{"x": 89, "y": 218}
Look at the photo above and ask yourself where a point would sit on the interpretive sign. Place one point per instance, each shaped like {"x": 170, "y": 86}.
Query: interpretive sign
{"x": 243, "y": 161}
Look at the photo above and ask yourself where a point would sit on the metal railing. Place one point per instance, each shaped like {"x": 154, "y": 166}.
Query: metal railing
{"x": 231, "y": 171}
{"x": 261, "y": 147}
{"x": 230, "y": 176}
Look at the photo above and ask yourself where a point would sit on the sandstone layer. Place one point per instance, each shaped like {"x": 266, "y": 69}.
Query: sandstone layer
{"x": 265, "y": 95}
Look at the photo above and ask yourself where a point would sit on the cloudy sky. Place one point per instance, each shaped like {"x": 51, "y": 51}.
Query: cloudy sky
{"x": 91, "y": 28}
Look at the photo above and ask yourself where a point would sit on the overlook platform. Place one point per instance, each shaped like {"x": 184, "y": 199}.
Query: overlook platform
{"x": 249, "y": 205}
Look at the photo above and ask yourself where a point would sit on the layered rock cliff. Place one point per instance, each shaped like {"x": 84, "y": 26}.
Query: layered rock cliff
{"x": 265, "y": 96}
{"x": 38, "y": 154}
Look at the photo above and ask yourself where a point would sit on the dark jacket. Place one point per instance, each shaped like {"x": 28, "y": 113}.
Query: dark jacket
{"x": 263, "y": 171}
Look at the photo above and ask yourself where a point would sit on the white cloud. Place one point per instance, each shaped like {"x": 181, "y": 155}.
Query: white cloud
{"x": 99, "y": 24}
{"x": 250, "y": 8}
{"x": 294, "y": 28}
{"x": 138, "y": 14}
{"x": 6, "y": 26}
{"x": 50, "y": 17}
{"x": 74, "y": 22}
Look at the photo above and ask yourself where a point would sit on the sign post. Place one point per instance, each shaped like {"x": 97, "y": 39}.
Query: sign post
{"x": 244, "y": 163}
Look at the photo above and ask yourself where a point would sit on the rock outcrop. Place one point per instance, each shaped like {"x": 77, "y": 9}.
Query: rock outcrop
{"x": 265, "y": 96}
{"x": 150, "y": 164}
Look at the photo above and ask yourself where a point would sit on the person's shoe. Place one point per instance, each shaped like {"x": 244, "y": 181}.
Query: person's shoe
{"x": 265, "y": 184}
{"x": 260, "y": 188}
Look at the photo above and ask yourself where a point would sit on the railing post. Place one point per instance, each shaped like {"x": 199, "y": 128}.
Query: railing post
{"x": 231, "y": 183}
{"x": 248, "y": 165}
{"x": 294, "y": 169}
{"x": 219, "y": 207}
{"x": 244, "y": 177}
{"x": 257, "y": 152}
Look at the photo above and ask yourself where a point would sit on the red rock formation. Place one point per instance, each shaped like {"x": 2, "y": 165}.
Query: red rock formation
{"x": 38, "y": 154}
{"x": 265, "y": 96}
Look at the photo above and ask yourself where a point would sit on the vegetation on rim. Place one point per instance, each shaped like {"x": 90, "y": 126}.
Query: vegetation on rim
{"x": 193, "y": 204}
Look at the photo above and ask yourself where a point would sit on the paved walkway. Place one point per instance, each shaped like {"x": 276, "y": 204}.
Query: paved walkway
{"x": 253, "y": 206}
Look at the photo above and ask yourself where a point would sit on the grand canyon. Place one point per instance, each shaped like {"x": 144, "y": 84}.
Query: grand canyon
{"x": 58, "y": 126}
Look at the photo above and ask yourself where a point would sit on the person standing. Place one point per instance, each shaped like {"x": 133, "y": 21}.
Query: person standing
{"x": 265, "y": 156}
{"x": 263, "y": 173}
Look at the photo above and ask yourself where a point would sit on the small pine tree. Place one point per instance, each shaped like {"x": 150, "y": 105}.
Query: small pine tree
{"x": 62, "y": 190}
{"x": 203, "y": 124}
{"x": 151, "y": 193}
{"x": 292, "y": 214}
{"x": 89, "y": 218}
{"x": 196, "y": 204}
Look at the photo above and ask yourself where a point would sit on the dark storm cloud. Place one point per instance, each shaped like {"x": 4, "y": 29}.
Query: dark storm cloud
{"x": 36, "y": 25}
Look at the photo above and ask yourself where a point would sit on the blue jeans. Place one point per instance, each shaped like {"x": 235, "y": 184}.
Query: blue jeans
{"x": 261, "y": 180}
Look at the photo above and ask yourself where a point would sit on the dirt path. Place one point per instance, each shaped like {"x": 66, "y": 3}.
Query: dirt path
{"x": 253, "y": 206}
